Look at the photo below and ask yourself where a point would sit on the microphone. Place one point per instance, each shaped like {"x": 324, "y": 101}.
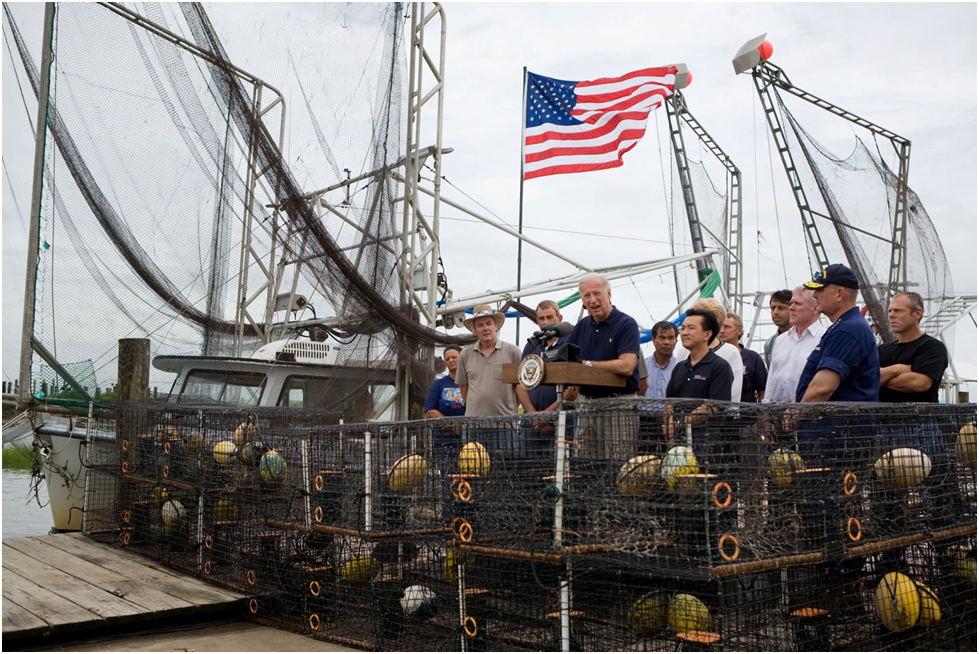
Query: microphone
{"x": 549, "y": 331}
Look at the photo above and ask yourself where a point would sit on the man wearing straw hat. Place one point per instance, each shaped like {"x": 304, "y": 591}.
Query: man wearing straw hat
{"x": 480, "y": 370}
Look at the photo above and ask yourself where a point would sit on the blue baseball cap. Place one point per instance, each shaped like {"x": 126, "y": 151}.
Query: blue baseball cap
{"x": 835, "y": 273}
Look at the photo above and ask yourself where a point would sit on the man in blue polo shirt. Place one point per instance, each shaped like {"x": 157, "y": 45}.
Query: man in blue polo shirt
{"x": 844, "y": 367}
{"x": 607, "y": 337}
{"x": 544, "y": 397}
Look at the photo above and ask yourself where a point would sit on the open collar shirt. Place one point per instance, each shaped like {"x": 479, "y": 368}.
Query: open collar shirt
{"x": 659, "y": 376}
{"x": 849, "y": 349}
{"x": 487, "y": 395}
{"x": 788, "y": 360}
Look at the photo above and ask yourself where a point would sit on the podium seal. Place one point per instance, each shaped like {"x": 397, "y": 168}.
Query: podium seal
{"x": 530, "y": 372}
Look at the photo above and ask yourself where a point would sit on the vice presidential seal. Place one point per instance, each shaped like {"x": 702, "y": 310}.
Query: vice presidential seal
{"x": 530, "y": 373}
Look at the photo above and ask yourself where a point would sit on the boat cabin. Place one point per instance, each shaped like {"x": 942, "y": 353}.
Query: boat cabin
{"x": 293, "y": 374}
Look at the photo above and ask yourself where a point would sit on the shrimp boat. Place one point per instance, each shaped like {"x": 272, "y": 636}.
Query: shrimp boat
{"x": 288, "y": 373}
{"x": 243, "y": 256}
{"x": 237, "y": 254}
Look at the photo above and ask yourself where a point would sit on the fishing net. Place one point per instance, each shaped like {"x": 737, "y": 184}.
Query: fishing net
{"x": 857, "y": 196}
{"x": 709, "y": 180}
{"x": 620, "y": 525}
{"x": 185, "y": 195}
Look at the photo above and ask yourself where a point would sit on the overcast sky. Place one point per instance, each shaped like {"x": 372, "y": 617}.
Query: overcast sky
{"x": 909, "y": 67}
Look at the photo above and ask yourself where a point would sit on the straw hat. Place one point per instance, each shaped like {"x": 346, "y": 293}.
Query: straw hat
{"x": 481, "y": 310}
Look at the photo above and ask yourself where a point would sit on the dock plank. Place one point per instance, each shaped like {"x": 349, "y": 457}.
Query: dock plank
{"x": 68, "y": 586}
{"x": 20, "y": 620}
{"x": 53, "y": 610}
{"x": 106, "y": 604}
{"x": 150, "y": 599}
{"x": 143, "y": 570}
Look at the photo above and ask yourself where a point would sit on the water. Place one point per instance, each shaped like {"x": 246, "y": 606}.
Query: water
{"x": 20, "y": 516}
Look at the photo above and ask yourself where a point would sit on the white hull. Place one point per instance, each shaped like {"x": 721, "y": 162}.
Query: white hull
{"x": 64, "y": 474}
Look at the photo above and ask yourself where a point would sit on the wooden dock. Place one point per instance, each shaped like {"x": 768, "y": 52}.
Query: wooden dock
{"x": 69, "y": 587}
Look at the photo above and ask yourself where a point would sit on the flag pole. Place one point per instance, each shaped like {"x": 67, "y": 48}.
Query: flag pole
{"x": 523, "y": 141}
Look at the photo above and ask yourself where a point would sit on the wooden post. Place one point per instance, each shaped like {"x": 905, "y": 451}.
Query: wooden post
{"x": 34, "y": 235}
{"x": 134, "y": 368}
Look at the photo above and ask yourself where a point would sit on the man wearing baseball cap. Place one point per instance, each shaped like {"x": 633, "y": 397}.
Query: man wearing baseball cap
{"x": 844, "y": 367}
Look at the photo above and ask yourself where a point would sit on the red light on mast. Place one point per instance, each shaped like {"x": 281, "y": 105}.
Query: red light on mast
{"x": 765, "y": 50}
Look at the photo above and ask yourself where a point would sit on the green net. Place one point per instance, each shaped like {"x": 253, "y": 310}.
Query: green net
{"x": 70, "y": 381}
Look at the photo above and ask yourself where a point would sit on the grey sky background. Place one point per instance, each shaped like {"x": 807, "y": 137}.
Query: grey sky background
{"x": 910, "y": 67}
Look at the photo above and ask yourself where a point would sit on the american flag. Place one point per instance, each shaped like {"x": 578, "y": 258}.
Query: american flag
{"x": 573, "y": 127}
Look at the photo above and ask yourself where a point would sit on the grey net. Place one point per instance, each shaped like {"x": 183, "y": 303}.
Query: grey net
{"x": 858, "y": 193}
{"x": 711, "y": 195}
{"x": 157, "y": 153}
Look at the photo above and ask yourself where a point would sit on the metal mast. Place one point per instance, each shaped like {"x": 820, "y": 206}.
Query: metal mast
{"x": 419, "y": 258}
{"x": 412, "y": 235}
{"x": 673, "y": 104}
{"x": 767, "y": 76}
{"x": 269, "y": 286}
{"x": 677, "y": 109}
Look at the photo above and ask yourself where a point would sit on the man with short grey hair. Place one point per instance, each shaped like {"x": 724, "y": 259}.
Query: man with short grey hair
{"x": 608, "y": 338}
{"x": 844, "y": 366}
{"x": 794, "y": 346}
{"x": 912, "y": 367}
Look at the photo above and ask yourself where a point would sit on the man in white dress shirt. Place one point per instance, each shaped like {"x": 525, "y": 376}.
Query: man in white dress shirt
{"x": 794, "y": 346}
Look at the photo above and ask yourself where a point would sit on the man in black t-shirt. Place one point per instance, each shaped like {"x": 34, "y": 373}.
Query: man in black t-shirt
{"x": 911, "y": 368}
{"x": 911, "y": 371}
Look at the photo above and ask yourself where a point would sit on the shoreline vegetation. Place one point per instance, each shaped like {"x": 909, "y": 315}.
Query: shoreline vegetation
{"x": 17, "y": 456}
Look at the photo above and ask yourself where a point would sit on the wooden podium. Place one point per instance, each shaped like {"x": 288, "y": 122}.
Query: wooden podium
{"x": 564, "y": 373}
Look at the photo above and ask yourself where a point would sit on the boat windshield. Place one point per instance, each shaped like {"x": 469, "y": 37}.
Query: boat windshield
{"x": 222, "y": 387}
{"x": 352, "y": 398}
